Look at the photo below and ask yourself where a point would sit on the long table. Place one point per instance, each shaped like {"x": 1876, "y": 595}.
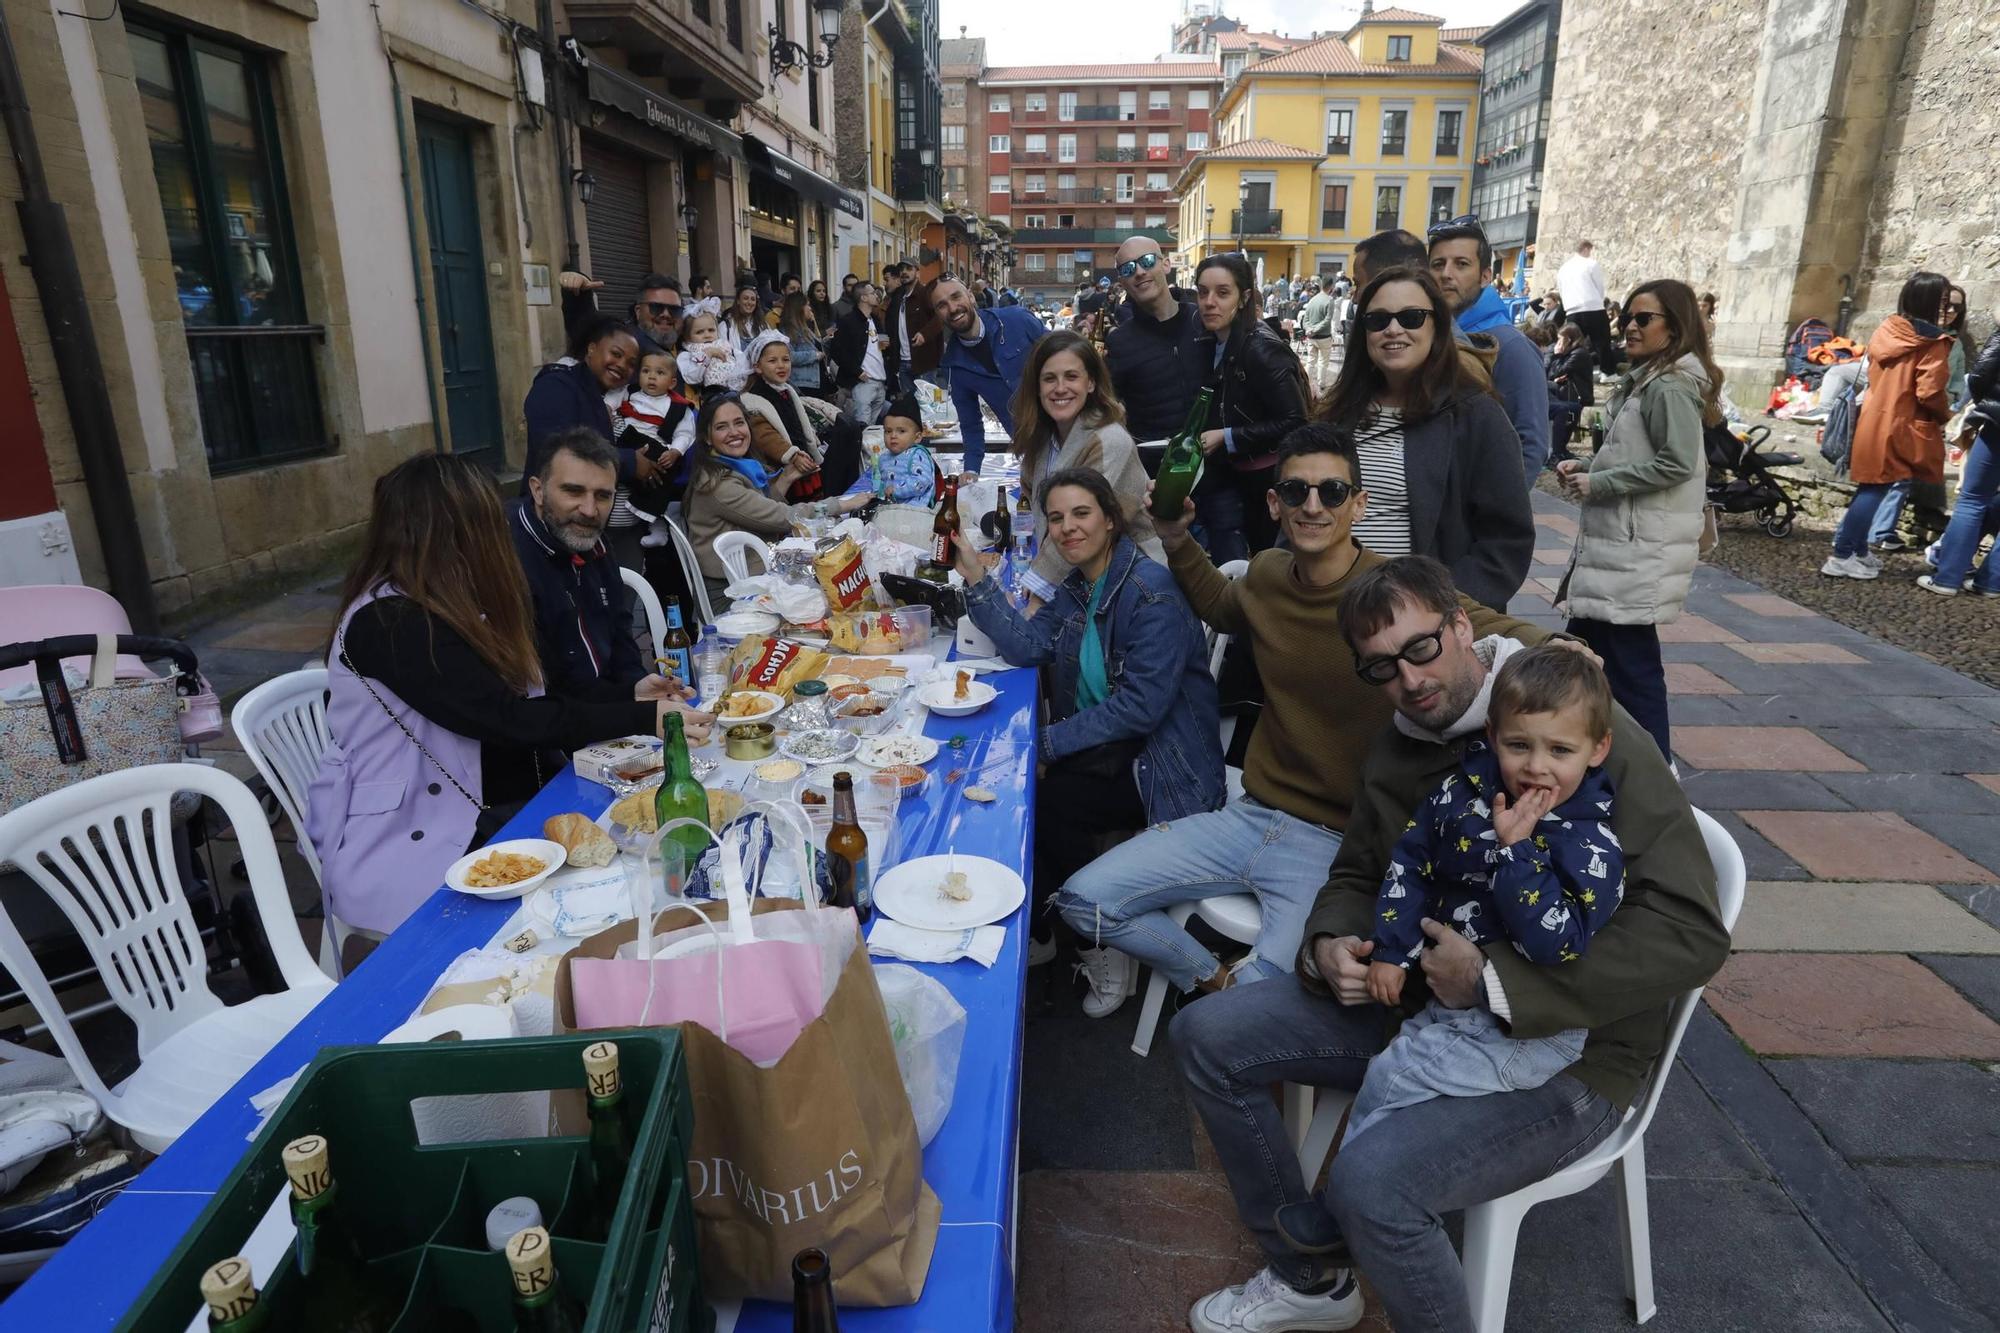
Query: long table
{"x": 971, "y": 1163}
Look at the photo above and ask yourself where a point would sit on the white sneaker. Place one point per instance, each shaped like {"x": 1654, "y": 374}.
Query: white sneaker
{"x": 1041, "y": 951}
{"x": 1849, "y": 567}
{"x": 1870, "y": 559}
{"x": 1266, "y": 1305}
{"x": 1113, "y": 977}
{"x": 1929, "y": 584}
{"x": 1931, "y": 553}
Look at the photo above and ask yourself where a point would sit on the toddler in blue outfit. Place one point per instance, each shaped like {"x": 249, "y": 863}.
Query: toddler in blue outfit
{"x": 904, "y": 473}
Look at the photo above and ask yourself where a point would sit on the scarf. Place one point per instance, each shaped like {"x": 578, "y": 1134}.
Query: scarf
{"x": 752, "y": 470}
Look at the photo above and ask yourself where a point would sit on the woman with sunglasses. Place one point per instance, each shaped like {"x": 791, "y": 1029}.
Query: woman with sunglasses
{"x": 1133, "y": 737}
{"x": 1441, "y": 457}
{"x": 1261, "y": 397}
{"x": 1643, "y": 495}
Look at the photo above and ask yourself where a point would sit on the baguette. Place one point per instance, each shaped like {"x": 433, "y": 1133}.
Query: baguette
{"x": 587, "y": 844}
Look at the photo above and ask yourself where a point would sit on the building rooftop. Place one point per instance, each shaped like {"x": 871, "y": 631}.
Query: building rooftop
{"x": 1151, "y": 71}
{"x": 1258, "y": 150}
{"x": 1269, "y": 41}
{"x": 1332, "y": 55}
{"x": 1397, "y": 16}
{"x": 1465, "y": 36}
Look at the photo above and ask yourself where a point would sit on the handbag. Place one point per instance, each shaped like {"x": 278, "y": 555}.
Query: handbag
{"x": 65, "y": 735}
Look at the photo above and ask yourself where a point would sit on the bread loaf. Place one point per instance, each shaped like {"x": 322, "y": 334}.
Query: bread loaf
{"x": 587, "y": 844}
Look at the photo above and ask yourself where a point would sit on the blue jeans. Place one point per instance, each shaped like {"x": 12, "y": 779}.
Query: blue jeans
{"x": 1218, "y": 513}
{"x": 1975, "y": 514}
{"x": 865, "y": 400}
{"x": 1884, "y": 526}
{"x": 1121, "y": 898}
{"x": 1457, "y": 1053}
{"x": 1851, "y": 538}
{"x": 1389, "y": 1190}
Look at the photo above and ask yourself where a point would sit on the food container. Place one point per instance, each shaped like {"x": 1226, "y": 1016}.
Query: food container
{"x": 907, "y": 629}
{"x": 820, "y": 746}
{"x": 898, "y": 781}
{"x": 811, "y": 710}
{"x": 865, "y": 714}
{"x": 750, "y": 740}
{"x": 814, "y": 792}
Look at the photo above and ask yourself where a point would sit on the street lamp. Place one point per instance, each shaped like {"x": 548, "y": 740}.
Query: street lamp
{"x": 689, "y": 216}
{"x": 1242, "y": 207}
{"x": 586, "y": 185}
{"x": 788, "y": 55}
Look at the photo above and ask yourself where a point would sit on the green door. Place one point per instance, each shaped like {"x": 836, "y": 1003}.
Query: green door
{"x": 458, "y": 270}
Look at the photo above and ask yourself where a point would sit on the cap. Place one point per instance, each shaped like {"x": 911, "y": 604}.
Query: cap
{"x": 509, "y": 1218}
{"x": 228, "y": 1289}
{"x": 600, "y": 1069}
{"x": 531, "y": 1261}
{"x": 305, "y": 1164}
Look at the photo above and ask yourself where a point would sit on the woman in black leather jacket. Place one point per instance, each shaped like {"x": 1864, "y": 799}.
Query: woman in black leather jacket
{"x": 1261, "y": 398}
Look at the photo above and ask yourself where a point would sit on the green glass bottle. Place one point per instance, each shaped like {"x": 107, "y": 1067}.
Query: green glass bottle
{"x": 231, "y": 1297}
{"x": 1180, "y": 469}
{"x": 610, "y": 1134}
{"x": 681, "y": 796}
{"x": 342, "y": 1291}
{"x": 540, "y": 1304}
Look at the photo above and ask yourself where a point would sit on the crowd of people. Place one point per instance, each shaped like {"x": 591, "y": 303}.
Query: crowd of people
{"x": 1443, "y": 811}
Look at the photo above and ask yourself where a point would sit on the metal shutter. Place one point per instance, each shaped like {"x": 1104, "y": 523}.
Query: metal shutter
{"x": 621, "y": 233}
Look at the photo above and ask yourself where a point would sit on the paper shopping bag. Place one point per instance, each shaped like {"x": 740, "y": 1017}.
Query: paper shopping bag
{"x": 757, "y": 996}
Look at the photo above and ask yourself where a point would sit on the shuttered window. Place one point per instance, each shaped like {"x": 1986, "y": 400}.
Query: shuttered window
{"x": 621, "y": 232}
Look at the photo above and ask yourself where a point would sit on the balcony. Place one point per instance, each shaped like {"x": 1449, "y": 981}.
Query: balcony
{"x": 914, "y": 181}
{"x": 1256, "y": 221}
{"x": 1447, "y": 148}
{"x": 1392, "y": 147}
{"x": 1338, "y": 145}
{"x": 1155, "y": 196}
{"x": 681, "y": 43}
{"x": 1031, "y": 157}
{"x": 1090, "y": 235}
{"x": 1041, "y": 115}
{"x": 1097, "y": 113}
{"x": 1084, "y": 194}
{"x": 1121, "y": 154}
{"x": 1159, "y": 113}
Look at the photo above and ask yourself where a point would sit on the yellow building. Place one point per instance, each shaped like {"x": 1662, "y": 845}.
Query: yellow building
{"x": 1330, "y": 142}
{"x": 888, "y": 98}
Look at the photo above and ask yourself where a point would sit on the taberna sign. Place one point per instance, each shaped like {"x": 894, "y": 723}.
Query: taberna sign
{"x": 610, "y": 88}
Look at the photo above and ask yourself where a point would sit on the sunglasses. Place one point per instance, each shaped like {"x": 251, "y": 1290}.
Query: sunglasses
{"x": 1332, "y": 494}
{"x": 1418, "y": 651}
{"x": 658, "y": 308}
{"x": 1131, "y": 266}
{"x": 1641, "y": 319}
{"x": 1461, "y": 221}
{"x": 1412, "y": 318}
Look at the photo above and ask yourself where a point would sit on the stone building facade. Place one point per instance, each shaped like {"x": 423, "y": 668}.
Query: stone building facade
{"x": 1786, "y": 154}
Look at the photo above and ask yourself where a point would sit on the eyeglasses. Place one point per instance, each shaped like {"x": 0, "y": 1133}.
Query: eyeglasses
{"x": 1411, "y": 318}
{"x": 1131, "y": 266}
{"x": 1461, "y": 221}
{"x": 658, "y": 308}
{"x": 1424, "y": 648}
{"x": 1640, "y": 319}
{"x": 1333, "y": 494}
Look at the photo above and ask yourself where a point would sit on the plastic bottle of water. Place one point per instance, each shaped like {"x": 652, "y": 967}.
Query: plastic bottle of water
{"x": 711, "y": 676}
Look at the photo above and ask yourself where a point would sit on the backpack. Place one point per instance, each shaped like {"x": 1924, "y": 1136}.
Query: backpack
{"x": 1836, "y": 435}
{"x": 1807, "y": 337}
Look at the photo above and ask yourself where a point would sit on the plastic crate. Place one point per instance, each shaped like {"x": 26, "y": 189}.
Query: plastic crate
{"x": 425, "y": 1205}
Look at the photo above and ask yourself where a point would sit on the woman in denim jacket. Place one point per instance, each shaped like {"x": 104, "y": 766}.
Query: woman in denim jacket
{"x": 1132, "y": 737}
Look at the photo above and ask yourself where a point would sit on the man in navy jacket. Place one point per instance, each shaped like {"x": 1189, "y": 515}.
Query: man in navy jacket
{"x": 1462, "y": 263}
{"x": 984, "y": 353}
{"x": 583, "y": 629}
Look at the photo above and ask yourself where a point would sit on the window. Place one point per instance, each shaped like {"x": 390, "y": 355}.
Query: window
{"x": 1444, "y": 202}
{"x": 1038, "y": 101}
{"x": 1034, "y": 220}
{"x": 1159, "y": 99}
{"x": 1156, "y": 219}
{"x": 1197, "y": 141}
{"x": 1037, "y": 261}
{"x": 954, "y": 183}
{"x": 1388, "y": 207}
{"x": 1065, "y": 219}
{"x": 1157, "y": 147}
{"x": 1395, "y": 132}
{"x": 1038, "y": 143}
{"x": 1197, "y": 99}
{"x": 1065, "y": 106}
{"x": 1123, "y": 223}
{"x": 906, "y": 113}
{"x": 1036, "y": 183}
{"x": 1000, "y": 186}
{"x": 784, "y": 23}
{"x": 212, "y": 127}
{"x": 1339, "y": 132}
{"x": 1065, "y": 148}
{"x": 954, "y": 136}
{"x": 1128, "y": 106}
{"x": 1399, "y": 48}
{"x": 999, "y": 102}
{"x": 1066, "y": 181}
{"x": 954, "y": 94}
{"x": 1124, "y": 187}
{"x": 998, "y": 143}
{"x": 732, "y": 22}
{"x": 1128, "y": 148}
{"x": 1156, "y": 180}
{"x": 1447, "y": 135}
{"x": 1332, "y": 206}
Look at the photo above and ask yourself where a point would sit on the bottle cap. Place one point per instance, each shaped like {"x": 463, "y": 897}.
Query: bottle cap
{"x": 810, "y": 688}
{"x": 509, "y": 1218}
{"x": 531, "y": 1261}
{"x": 305, "y": 1163}
{"x": 228, "y": 1290}
{"x": 600, "y": 1068}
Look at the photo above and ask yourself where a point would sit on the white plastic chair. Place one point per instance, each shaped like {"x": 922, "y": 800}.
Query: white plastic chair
{"x": 734, "y": 550}
{"x": 281, "y": 725}
{"x": 103, "y": 850}
{"x": 649, "y": 602}
{"x": 691, "y": 566}
{"x": 1493, "y": 1227}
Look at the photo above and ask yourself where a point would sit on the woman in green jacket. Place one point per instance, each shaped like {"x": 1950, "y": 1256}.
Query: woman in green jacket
{"x": 1642, "y": 494}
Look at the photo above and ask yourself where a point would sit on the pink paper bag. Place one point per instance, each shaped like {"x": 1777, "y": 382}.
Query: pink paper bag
{"x": 769, "y": 992}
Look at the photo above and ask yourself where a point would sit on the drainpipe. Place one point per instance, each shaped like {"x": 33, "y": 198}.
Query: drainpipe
{"x": 545, "y": 22}
{"x": 410, "y": 229}
{"x": 59, "y": 283}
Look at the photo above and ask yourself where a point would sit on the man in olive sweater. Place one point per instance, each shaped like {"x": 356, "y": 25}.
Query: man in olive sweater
{"x": 1300, "y": 774}
{"x": 1388, "y": 1188}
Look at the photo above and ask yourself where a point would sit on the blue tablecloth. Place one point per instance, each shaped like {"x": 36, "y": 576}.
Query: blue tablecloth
{"x": 971, "y": 1163}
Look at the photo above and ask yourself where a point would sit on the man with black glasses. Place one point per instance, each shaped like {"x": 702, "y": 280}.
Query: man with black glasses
{"x": 658, "y": 309}
{"x": 1299, "y": 776}
{"x": 1151, "y": 353}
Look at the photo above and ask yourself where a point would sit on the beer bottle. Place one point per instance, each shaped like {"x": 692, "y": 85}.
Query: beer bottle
{"x": 610, "y": 1134}
{"x": 677, "y": 653}
{"x": 1180, "y": 469}
{"x": 540, "y": 1304}
{"x": 1024, "y": 523}
{"x": 847, "y": 853}
{"x": 812, "y": 1293}
{"x": 231, "y": 1297}
{"x": 342, "y": 1290}
{"x": 999, "y": 524}
{"x": 944, "y": 529}
{"x": 681, "y": 797}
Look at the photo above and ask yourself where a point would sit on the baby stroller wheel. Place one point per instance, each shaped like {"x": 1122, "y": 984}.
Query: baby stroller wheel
{"x": 1777, "y": 521}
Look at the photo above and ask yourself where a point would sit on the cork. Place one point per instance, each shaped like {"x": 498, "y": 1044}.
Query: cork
{"x": 228, "y": 1290}
{"x": 305, "y": 1163}
{"x": 532, "y": 1262}
{"x": 600, "y": 1068}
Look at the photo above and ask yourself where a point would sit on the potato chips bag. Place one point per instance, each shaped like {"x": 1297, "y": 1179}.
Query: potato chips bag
{"x": 841, "y": 574}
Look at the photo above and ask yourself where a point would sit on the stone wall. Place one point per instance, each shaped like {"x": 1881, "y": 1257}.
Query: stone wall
{"x": 1647, "y": 125}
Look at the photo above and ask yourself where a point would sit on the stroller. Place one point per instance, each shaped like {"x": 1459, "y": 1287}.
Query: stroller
{"x": 1740, "y": 477}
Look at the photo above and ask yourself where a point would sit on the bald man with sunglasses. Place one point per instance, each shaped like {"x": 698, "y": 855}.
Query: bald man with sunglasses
{"x": 1151, "y": 353}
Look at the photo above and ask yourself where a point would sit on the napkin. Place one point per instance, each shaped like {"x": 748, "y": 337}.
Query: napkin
{"x": 581, "y": 903}
{"x": 893, "y": 939}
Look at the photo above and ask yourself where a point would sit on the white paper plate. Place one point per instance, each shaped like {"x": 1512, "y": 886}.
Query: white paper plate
{"x": 745, "y": 624}
{"x": 922, "y": 750}
{"x": 939, "y": 697}
{"x": 553, "y": 856}
{"x": 909, "y": 893}
{"x": 768, "y": 706}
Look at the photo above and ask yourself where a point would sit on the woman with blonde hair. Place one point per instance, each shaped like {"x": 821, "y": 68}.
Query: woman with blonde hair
{"x": 1067, "y": 416}
{"x": 441, "y": 727}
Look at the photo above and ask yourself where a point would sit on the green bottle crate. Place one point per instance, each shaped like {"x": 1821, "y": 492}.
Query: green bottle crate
{"x": 424, "y": 1207}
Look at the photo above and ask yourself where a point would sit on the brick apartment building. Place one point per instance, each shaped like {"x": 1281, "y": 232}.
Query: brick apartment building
{"x": 1080, "y": 157}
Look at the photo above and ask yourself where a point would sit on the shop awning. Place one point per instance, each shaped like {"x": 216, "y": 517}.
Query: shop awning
{"x": 610, "y": 88}
{"x": 797, "y": 176}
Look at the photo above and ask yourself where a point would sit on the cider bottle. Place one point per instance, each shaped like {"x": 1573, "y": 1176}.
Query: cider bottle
{"x": 1180, "y": 469}
{"x": 610, "y": 1134}
{"x": 540, "y": 1304}
{"x": 847, "y": 853}
{"x": 231, "y": 1298}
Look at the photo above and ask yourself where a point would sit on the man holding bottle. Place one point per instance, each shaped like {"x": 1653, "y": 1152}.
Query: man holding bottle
{"x": 1151, "y": 353}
